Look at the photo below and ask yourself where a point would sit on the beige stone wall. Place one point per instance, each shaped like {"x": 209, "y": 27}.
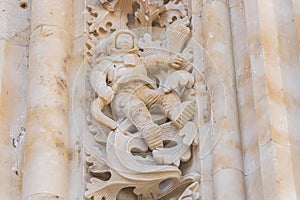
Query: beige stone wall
{"x": 253, "y": 154}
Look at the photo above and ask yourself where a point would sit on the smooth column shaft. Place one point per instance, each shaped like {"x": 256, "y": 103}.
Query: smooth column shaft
{"x": 46, "y": 147}
{"x": 275, "y": 66}
{"x": 227, "y": 156}
{"x": 247, "y": 115}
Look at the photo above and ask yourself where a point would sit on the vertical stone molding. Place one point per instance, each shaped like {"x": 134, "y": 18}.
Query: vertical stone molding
{"x": 275, "y": 66}
{"x": 203, "y": 116}
{"x": 247, "y": 115}
{"x": 227, "y": 152}
{"x": 46, "y": 146}
{"x": 13, "y": 62}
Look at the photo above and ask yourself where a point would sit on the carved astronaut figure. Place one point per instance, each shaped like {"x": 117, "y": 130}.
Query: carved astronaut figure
{"x": 121, "y": 79}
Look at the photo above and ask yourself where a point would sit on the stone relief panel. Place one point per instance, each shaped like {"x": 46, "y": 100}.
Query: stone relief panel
{"x": 143, "y": 114}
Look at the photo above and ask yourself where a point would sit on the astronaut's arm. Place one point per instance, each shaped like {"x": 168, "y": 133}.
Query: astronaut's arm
{"x": 98, "y": 82}
{"x": 154, "y": 60}
{"x": 175, "y": 61}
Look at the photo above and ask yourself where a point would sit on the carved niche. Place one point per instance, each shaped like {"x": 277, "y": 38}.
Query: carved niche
{"x": 143, "y": 115}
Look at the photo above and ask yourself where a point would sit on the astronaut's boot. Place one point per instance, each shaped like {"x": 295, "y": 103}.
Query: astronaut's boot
{"x": 182, "y": 114}
{"x": 152, "y": 134}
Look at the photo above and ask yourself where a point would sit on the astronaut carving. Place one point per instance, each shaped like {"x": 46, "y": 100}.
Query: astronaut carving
{"x": 121, "y": 79}
{"x": 144, "y": 88}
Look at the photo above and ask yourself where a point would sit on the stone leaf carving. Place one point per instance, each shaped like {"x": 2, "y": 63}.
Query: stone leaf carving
{"x": 103, "y": 21}
{"x": 140, "y": 14}
{"x": 148, "y": 12}
{"x": 175, "y": 10}
{"x": 179, "y": 152}
{"x": 191, "y": 192}
{"x": 144, "y": 180}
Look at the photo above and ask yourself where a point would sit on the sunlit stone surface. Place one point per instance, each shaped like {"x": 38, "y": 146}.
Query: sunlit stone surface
{"x": 142, "y": 99}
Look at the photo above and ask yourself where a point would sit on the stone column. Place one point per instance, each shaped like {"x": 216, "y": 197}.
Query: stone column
{"x": 227, "y": 167}
{"x": 78, "y": 110}
{"x": 46, "y": 146}
{"x": 247, "y": 115}
{"x": 14, "y": 40}
{"x": 276, "y": 72}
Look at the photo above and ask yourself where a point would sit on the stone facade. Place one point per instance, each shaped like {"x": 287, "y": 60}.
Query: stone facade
{"x": 150, "y": 99}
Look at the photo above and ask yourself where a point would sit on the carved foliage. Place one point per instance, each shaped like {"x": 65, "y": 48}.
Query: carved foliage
{"x": 111, "y": 15}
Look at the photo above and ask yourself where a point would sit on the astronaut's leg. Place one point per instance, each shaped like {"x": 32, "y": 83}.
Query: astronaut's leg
{"x": 179, "y": 113}
{"x": 139, "y": 115}
{"x": 148, "y": 96}
{"x": 118, "y": 105}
